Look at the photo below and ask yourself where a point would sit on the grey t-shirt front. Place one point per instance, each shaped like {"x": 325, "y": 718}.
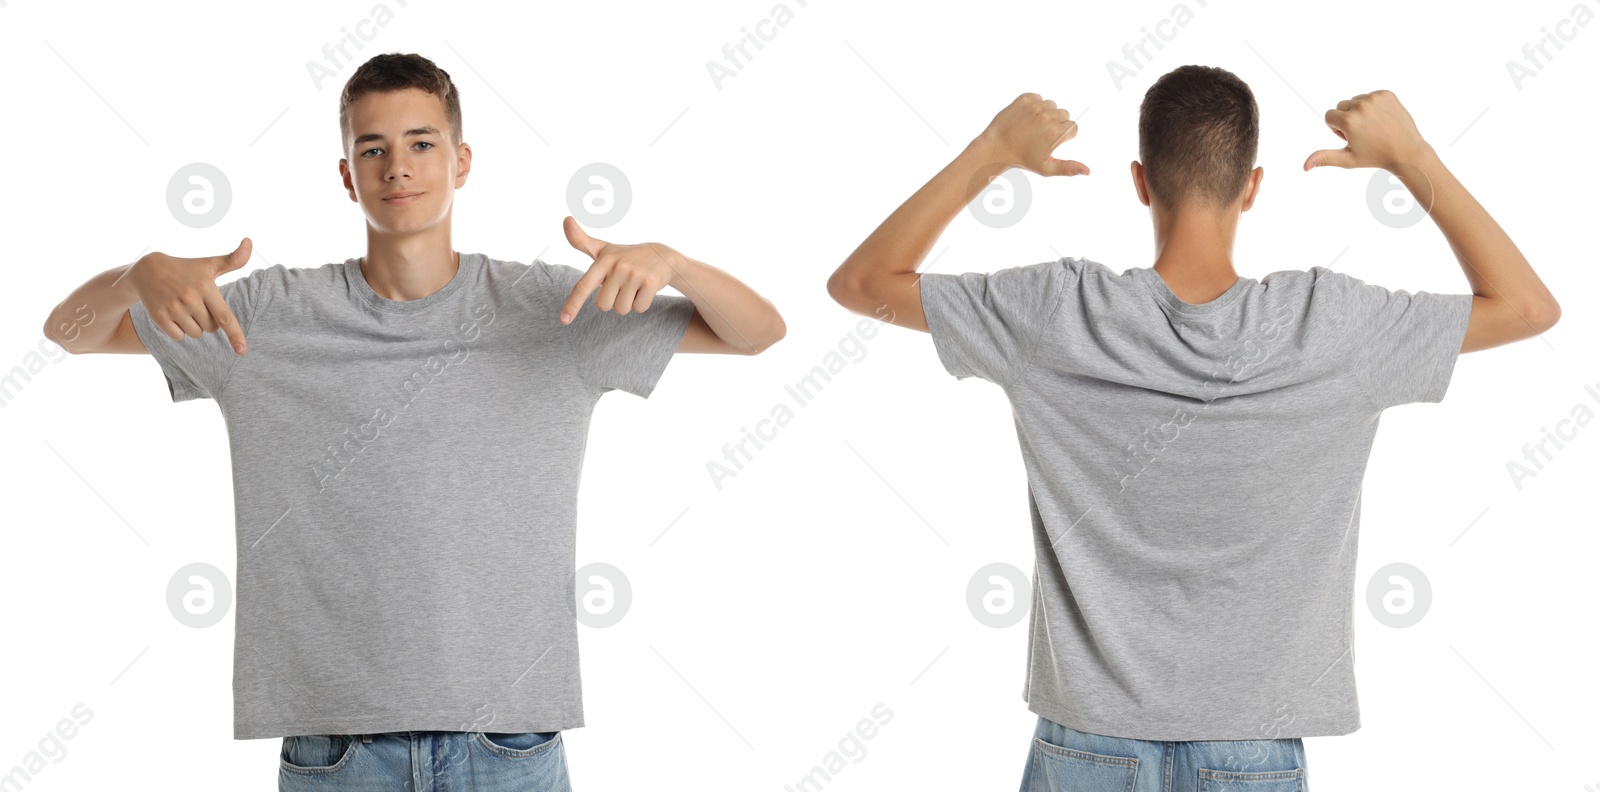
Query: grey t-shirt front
{"x": 405, "y": 479}
{"x": 1194, "y": 478}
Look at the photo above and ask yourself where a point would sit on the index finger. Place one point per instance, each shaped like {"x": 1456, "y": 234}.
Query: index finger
{"x": 226, "y": 322}
{"x": 1069, "y": 127}
{"x": 1335, "y": 119}
{"x": 580, "y": 292}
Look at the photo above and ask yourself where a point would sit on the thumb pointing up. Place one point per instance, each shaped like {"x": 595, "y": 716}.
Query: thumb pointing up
{"x": 580, "y": 240}
{"x": 236, "y": 259}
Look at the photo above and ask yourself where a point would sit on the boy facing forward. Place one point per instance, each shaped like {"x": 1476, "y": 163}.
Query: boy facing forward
{"x": 407, "y": 431}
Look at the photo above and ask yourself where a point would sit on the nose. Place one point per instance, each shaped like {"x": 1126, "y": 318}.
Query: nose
{"x": 399, "y": 167}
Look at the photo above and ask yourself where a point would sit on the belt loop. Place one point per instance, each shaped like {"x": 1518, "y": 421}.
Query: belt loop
{"x": 366, "y": 738}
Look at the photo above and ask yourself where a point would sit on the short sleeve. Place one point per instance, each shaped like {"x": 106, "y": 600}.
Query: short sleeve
{"x": 1403, "y": 345}
{"x": 988, "y": 326}
{"x": 621, "y": 352}
{"x": 197, "y": 368}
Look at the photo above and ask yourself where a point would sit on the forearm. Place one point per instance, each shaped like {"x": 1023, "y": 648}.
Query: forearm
{"x": 735, "y": 312}
{"x": 89, "y": 316}
{"x": 1494, "y": 266}
{"x": 903, "y": 240}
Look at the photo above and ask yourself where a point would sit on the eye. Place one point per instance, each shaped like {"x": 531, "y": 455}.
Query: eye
{"x": 424, "y": 143}
{"x": 368, "y": 151}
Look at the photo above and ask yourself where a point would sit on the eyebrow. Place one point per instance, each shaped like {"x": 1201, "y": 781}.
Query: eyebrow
{"x": 373, "y": 136}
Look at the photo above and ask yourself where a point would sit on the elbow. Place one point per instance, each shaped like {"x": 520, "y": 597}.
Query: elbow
{"x": 49, "y": 334}
{"x": 845, "y": 291}
{"x": 837, "y": 288}
{"x": 1545, "y": 316}
{"x": 779, "y": 330}
{"x": 65, "y": 333}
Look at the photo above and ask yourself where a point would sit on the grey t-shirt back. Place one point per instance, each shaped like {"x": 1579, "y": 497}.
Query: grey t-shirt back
{"x": 1194, "y": 479}
{"x": 405, "y": 479}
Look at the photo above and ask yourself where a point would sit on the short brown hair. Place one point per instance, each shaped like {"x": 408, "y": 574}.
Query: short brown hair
{"x": 1198, "y": 131}
{"x": 393, "y": 71}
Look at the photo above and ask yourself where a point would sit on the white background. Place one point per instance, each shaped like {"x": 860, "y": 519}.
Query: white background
{"x": 812, "y": 586}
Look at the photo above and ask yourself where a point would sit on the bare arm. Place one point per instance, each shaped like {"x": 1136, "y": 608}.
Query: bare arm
{"x": 1510, "y": 302}
{"x": 94, "y": 317}
{"x": 882, "y": 272}
{"x": 730, "y": 318}
{"x": 181, "y": 295}
{"x": 725, "y": 311}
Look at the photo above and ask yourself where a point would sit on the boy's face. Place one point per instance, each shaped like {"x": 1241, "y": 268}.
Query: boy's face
{"x": 401, "y": 144}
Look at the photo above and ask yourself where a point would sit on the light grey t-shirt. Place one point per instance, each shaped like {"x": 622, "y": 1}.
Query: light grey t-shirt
{"x": 405, "y": 478}
{"x": 1194, "y": 477}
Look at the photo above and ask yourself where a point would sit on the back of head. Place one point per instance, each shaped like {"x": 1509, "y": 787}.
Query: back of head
{"x": 1198, "y": 130}
{"x": 393, "y": 71}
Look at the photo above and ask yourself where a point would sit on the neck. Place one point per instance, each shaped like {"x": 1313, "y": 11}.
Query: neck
{"x": 409, "y": 267}
{"x": 1194, "y": 251}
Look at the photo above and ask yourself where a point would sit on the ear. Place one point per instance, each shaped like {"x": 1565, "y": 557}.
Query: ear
{"x": 463, "y": 164}
{"x": 1252, "y": 188}
{"x": 344, "y": 174}
{"x": 1138, "y": 183}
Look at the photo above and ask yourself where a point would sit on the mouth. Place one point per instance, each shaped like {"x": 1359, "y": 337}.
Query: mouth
{"x": 401, "y": 198}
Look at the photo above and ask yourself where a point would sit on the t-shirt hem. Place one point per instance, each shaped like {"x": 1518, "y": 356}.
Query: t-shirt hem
{"x": 177, "y": 386}
{"x": 1333, "y": 726}
{"x": 1460, "y": 307}
{"x": 932, "y": 314}
{"x": 251, "y": 730}
{"x": 664, "y": 346}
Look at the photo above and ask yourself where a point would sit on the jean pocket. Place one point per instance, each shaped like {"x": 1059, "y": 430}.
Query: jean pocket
{"x": 1057, "y": 768}
{"x": 316, "y": 754}
{"x": 519, "y": 745}
{"x": 1270, "y": 781}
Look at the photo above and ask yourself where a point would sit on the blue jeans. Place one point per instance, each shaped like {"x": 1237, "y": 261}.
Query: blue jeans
{"x": 424, "y": 761}
{"x": 1067, "y": 760}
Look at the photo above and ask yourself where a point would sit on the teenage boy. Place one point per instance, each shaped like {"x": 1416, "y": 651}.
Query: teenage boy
{"x": 407, "y": 430}
{"x": 1194, "y": 440}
